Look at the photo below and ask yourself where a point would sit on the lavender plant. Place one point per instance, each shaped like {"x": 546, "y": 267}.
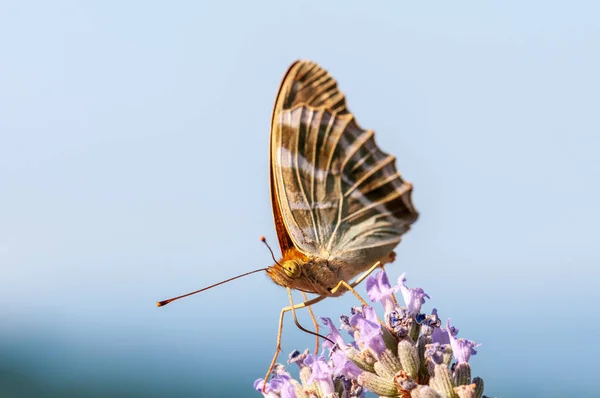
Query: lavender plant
{"x": 408, "y": 354}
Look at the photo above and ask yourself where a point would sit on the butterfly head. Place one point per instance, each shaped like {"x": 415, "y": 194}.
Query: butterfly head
{"x": 311, "y": 275}
{"x": 284, "y": 273}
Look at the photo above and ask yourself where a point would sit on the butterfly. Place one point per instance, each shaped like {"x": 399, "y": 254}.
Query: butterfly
{"x": 339, "y": 204}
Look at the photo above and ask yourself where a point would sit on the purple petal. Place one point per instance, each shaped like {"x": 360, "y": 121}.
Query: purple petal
{"x": 288, "y": 391}
{"x": 320, "y": 372}
{"x": 439, "y": 335}
{"x": 334, "y": 334}
{"x": 435, "y": 353}
{"x": 369, "y": 330}
{"x": 268, "y": 393}
{"x": 413, "y": 297}
{"x": 379, "y": 290}
{"x": 319, "y": 367}
{"x": 278, "y": 381}
{"x": 345, "y": 324}
{"x": 462, "y": 349}
{"x": 282, "y": 385}
{"x": 342, "y": 366}
{"x": 298, "y": 357}
{"x": 258, "y": 384}
{"x": 371, "y": 316}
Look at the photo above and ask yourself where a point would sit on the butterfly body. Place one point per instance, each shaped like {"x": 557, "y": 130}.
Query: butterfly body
{"x": 315, "y": 274}
{"x": 339, "y": 204}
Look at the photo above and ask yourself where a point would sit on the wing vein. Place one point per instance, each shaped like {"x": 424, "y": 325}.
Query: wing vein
{"x": 395, "y": 195}
{"x": 356, "y": 145}
{"x": 298, "y": 176}
{"x": 389, "y": 159}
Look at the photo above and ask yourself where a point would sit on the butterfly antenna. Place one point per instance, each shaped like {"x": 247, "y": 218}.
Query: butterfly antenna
{"x": 264, "y": 240}
{"x": 165, "y": 302}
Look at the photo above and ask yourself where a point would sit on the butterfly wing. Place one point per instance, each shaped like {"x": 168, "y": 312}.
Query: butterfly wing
{"x": 335, "y": 194}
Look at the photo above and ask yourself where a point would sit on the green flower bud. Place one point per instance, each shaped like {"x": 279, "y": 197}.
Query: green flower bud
{"x": 409, "y": 357}
{"x": 390, "y": 362}
{"x": 363, "y": 360}
{"x": 478, "y": 381}
{"x": 378, "y": 385}
{"x": 462, "y": 374}
{"x": 391, "y": 342}
{"x": 441, "y": 380}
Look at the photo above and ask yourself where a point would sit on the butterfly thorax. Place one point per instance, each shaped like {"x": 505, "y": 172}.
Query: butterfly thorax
{"x": 309, "y": 274}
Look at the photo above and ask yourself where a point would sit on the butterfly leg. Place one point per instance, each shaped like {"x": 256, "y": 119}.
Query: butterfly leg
{"x": 279, "y": 331}
{"x": 366, "y": 273}
{"x": 358, "y": 280}
{"x": 350, "y": 287}
{"x": 345, "y": 284}
{"x": 312, "y": 316}
{"x": 293, "y": 307}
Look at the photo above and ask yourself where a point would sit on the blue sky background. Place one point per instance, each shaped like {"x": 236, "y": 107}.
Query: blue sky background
{"x": 134, "y": 167}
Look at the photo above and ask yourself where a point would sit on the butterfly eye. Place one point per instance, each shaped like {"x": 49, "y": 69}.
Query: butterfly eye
{"x": 291, "y": 269}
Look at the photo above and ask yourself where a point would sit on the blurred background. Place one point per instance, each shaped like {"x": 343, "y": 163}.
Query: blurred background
{"x": 134, "y": 167}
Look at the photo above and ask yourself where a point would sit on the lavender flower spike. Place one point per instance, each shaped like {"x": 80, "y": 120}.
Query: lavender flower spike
{"x": 461, "y": 348}
{"x": 413, "y": 297}
{"x": 410, "y": 355}
{"x": 379, "y": 290}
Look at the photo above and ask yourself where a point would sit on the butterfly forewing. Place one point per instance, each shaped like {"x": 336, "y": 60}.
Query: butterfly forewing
{"x": 304, "y": 83}
{"x": 335, "y": 193}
